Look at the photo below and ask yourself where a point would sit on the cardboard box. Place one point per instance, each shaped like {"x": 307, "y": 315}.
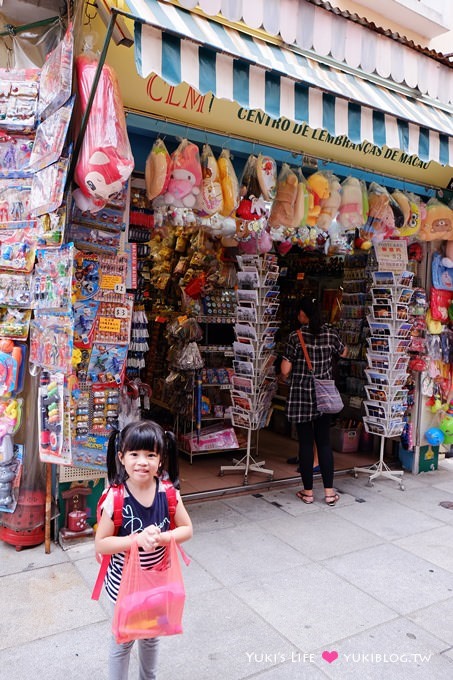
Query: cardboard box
{"x": 428, "y": 459}
{"x": 344, "y": 440}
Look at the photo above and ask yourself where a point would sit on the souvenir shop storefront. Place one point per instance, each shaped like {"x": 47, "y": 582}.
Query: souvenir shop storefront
{"x": 178, "y": 274}
{"x": 229, "y": 122}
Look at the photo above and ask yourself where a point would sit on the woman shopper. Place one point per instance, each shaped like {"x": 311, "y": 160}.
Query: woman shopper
{"x": 323, "y": 345}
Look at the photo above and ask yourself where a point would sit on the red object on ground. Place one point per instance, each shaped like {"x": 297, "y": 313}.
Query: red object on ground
{"x": 25, "y": 526}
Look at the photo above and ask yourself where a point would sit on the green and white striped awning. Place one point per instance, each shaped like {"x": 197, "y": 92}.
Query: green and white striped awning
{"x": 180, "y": 46}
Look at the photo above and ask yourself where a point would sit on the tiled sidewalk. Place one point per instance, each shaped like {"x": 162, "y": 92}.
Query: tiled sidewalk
{"x": 276, "y": 590}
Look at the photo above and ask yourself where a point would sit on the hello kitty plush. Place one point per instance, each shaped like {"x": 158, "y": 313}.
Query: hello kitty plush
{"x": 185, "y": 177}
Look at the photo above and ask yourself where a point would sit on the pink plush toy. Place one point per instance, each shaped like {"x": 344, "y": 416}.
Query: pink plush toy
{"x": 104, "y": 176}
{"x": 105, "y": 162}
{"x": 185, "y": 177}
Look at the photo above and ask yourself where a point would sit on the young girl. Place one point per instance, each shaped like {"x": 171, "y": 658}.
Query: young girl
{"x": 137, "y": 457}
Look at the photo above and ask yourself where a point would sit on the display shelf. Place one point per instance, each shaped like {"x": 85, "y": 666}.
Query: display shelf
{"x": 387, "y": 359}
{"x": 254, "y": 381}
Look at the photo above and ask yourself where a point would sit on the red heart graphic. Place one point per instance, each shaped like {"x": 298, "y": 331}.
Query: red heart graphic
{"x": 330, "y": 656}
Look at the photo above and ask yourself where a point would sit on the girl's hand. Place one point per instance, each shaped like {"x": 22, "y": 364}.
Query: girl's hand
{"x": 148, "y": 538}
{"x": 164, "y": 538}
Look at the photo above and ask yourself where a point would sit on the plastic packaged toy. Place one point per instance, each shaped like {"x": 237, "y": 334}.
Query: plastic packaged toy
{"x": 105, "y": 162}
{"x": 18, "y": 99}
{"x": 185, "y": 178}
{"x": 51, "y": 343}
{"x": 55, "y": 84}
{"x": 107, "y": 364}
{"x": 47, "y": 190}
{"x": 15, "y": 290}
{"x": 157, "y": 170}
{"x": 15, "y": 151}
{"x": 50, "y": 138}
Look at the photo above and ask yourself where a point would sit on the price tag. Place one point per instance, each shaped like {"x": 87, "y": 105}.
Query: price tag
{"x": 121, "y": 312}
{"x": 119, "y": 288}
{"x": 110, "y": 281}
{"x": 109, "y": 325}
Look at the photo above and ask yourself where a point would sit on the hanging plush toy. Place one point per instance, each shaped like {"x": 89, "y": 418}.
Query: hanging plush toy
{"x": 282, "y": 210}
{"x": 210, "y": 198}
{"x": 252, "y": 205}
{"x": 157, "y": 170}
{"x": 383, "y": 213}
{"x": 330, "y": 205}
{"x": 402, "y": 199}
{"x": 438, "y": 222}
{"x": 302, "y": 202}
{"x": 105, "y": 162}
{"x": 319, "y": 188}
{"x": 266, "y": 171}
{"x": 229, "y": 183}
{"x": 417, "y": 213}
{"x": 185, "y": 178}
{"x": 351, "y": 213}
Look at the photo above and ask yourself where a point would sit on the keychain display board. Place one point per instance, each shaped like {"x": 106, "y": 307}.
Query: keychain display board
{"x": 387, "y": 358}
{"x": 254, "y": 383}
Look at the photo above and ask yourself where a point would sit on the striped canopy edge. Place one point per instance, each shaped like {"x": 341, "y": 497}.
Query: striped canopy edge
{"x": 182, "y": 47}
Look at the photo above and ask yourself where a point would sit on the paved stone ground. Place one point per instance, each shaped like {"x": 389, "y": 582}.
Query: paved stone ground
{"x": 276, "y": 590}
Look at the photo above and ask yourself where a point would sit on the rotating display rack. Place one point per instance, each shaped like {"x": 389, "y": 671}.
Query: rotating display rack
{"x": 387, "y": 358}
{"x": 254, "y": 383}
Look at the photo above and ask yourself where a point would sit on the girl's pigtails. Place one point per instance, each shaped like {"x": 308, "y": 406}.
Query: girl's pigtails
{"x": 112, "y": 458}
{"x": 172, "y": 460}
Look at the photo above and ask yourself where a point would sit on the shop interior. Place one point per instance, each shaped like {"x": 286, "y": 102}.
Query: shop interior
{"x": 339, "y": 281}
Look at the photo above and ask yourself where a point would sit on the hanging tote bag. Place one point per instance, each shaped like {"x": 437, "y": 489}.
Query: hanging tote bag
{"x": 150, "y": 602}
{"x": 328, "y": 398}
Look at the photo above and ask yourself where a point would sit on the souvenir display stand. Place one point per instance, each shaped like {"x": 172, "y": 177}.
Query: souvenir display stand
{"x": 253, "y": 381}
{"x": 387, "y": 356}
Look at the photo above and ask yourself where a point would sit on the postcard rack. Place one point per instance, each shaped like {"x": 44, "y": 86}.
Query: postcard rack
{"x": 388, "y": 343}
{"x": 253, "y": 382}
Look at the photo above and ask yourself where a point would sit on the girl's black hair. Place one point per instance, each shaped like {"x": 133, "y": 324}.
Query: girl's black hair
{"x": 310, "y": 307}
{"x": 143, "y": 435}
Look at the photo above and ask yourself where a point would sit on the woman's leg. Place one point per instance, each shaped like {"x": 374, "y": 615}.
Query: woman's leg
{"x": 147, "y": 656}
{"x": 321, "y": 427}
{"x": 305, "y": 435}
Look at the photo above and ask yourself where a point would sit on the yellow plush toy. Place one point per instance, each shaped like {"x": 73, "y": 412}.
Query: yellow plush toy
{"x": 319, "y": 188}
{"x": 229, "y": 183}
{"x": 403, "y": 201}
{"x": 331, "y": 204}
{"x": 438, "y": 223}
{"x": 417, "y": 212}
